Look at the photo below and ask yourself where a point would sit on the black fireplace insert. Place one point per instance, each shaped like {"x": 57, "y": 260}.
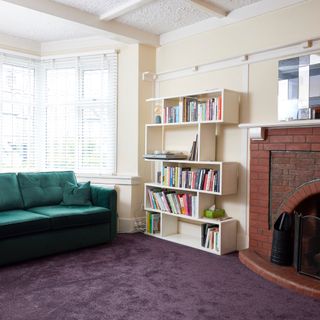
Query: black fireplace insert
{"x": 307, "y": 244}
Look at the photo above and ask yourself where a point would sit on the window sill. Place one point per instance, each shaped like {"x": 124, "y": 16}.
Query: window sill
{"x": 109, "y": 179}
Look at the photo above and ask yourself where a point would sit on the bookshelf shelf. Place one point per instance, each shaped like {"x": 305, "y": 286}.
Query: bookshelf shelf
{"x": 158, "y": 185}
{"x": 183, "y": 216}
{"x": 183, "y": 189}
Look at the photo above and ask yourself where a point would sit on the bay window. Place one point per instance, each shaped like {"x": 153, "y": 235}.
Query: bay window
{"x": 59, "y": 114}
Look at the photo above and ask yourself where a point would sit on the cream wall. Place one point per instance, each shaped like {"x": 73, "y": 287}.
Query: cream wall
{"x": 275, "y": 29}
{"x": 128, "y": 110}
{"x": 257, "y": 82}
{"x": 134, "y": 112}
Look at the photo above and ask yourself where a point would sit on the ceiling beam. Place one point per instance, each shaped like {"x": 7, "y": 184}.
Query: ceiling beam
{"x": 210, "y": 8}
{"x": 113, "y": 29}
{"x": 123, "y": 9}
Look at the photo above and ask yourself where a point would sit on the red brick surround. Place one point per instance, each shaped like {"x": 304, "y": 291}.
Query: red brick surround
{"x": 290, "y": 139}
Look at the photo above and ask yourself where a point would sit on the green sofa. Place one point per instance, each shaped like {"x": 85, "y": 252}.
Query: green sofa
{"x": 33, "y": 223}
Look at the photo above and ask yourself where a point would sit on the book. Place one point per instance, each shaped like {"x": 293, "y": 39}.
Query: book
{"x": 192, "y": 151}
{"x": 152, "y": 222}
{"x": 210, "y": 236}
{"x": 166, "y": 155}
{"x": 198, "y": 179}
{"x": 193, "y": 156}
{"x": 155, "y": 222}
{"x": 219, "y": 107}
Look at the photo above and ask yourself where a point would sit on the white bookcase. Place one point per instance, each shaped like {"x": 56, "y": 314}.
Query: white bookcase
{"x": 182, "y": 120}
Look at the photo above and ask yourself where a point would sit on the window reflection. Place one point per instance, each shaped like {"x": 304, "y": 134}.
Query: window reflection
{"x": 299, "y": 88}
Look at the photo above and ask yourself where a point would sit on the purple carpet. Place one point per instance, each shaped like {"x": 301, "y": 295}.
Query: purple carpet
{"x": 139, "y": 277}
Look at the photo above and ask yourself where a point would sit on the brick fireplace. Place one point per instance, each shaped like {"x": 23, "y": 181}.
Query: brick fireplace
{"x": 283, "y": 171}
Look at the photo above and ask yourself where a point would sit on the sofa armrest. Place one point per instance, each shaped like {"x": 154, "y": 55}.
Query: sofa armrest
{"x": 107, "y": 198}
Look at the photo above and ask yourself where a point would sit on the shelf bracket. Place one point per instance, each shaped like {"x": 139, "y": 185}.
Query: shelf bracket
{"x": 258, "y": 133}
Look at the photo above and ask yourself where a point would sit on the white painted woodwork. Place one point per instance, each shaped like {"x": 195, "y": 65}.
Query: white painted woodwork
{"x": 123, "y": 9}
{"x": 282, "y": 124}
{"x": 210, "y": 7}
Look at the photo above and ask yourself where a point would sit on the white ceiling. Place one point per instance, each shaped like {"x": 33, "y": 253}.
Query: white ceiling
{"x": 146, "y": 21}
{"x": 164, "y": 15}
{"x": 34, "y": 25}
{"x": 157, "y": 16}
{"x": 97, "y": 7}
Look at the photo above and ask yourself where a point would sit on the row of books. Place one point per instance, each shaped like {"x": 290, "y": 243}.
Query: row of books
{"x": 152, "y": 222}
{"x": 210, "y": 236}
{"x": 191, "y": 110}
{"x": 210, "y": 110}
{"x": 173, "y": 202}
{"x": 198, "y": 179}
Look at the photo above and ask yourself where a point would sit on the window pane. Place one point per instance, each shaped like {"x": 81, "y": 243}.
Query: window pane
{"x": 61, "y": 131}
{"x": 95, "y": 84}
{"x": 16, "y": 117}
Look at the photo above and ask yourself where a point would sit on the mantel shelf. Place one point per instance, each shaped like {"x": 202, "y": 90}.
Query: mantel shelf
{"x": 282, "y": 124}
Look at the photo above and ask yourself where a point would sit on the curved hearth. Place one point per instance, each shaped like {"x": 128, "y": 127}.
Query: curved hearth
{"x": 286, "y": 277}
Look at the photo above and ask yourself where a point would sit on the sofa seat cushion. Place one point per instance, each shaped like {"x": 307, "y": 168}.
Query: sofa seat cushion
{"x": 20, "y": 222}
{"x": 73, "y": 216}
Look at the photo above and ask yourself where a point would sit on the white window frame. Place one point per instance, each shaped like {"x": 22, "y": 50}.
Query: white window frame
{"x": 40, "y": 147}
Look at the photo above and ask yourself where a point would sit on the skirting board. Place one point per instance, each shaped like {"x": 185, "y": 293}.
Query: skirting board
{"x": 242, "y": 241}
{"x": 126, "y": 225}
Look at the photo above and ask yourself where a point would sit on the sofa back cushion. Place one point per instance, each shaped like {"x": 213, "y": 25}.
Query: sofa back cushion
{"x": 43, "y": 188}
{"x": 10, "y": 197}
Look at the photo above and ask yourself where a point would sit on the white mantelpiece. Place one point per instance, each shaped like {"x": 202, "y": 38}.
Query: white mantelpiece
{"x": 282, "y": 124}
{"x": 257, "y": 130}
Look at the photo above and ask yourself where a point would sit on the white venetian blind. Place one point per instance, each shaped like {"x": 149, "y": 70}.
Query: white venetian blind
{"x": 58, "y": 114}
{"x": 80, "y": 99}
{"x": 18, "y": 105}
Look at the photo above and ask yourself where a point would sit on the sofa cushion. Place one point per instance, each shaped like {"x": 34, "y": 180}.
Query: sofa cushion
{"x": 76, "y": 194}
{"x": 72, "y": 216}
{"x": 19, "y": 222}
{"x": 43, "y": 188}
{"x": 10, "y": 197}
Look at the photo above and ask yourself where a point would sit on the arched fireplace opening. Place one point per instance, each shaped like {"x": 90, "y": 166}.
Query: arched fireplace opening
{"x": 307, "y": 236}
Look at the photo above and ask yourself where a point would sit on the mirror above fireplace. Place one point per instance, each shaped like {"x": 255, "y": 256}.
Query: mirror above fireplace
{"x": 299, "y": 88}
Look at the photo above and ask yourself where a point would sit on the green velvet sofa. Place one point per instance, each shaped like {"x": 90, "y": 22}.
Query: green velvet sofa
{"x": 33, "y": 223}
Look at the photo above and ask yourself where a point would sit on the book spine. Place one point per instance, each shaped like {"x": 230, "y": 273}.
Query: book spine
{"x": 183, "y": 210}
{"x": 177, "y": 203}
{"x": 147, "y": 221}
{"x": 169, "y": 197}
{"x": 165, "y": 201}
{"x": 151, "y": 224}
{"x": 181, "y": 109}
{"x": 217, "y": 238}
{"x": 219, "y": 107}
